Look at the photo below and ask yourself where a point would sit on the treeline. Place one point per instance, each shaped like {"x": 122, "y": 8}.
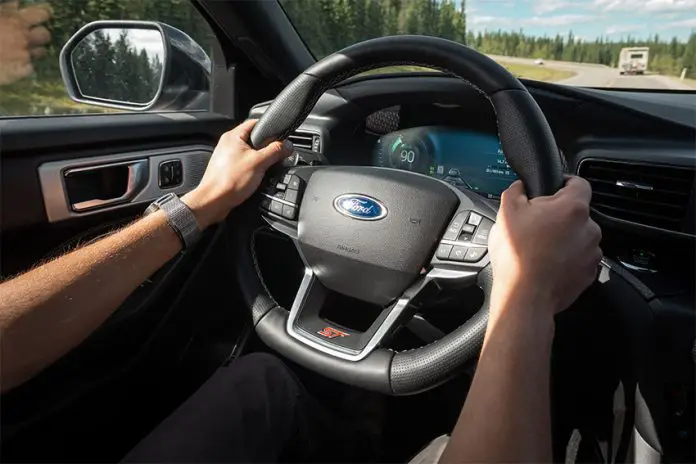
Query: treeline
{"x": 329, "y": 25}
{"x": 116, "y": 69}
{"x": 665, "y": 57}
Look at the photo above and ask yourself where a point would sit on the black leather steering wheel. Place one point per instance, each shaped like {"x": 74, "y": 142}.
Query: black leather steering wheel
{"x": 381, "y": 235}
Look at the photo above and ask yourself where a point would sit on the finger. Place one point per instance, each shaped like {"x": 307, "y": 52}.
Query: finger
{"x": 9, "y": 8}
{"x": 576, "y": 187}
{"x": 38, "y": 36}
{"x": 515, "y": 193}
{"x": 274, "y": 152}
{"x": 35, "y": 15}
{"x": 595, "y": 232}
{"x": 37, "y": 52}
{"x": 243, "y": 131}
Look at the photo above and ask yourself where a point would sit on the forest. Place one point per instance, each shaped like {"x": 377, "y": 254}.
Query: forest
{"x": 327, "y": 26}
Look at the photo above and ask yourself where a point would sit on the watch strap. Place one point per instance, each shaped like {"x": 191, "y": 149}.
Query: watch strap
{"x": 180, "y": 218}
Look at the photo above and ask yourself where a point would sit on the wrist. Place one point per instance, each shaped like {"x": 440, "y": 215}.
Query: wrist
{"x": 522, "y": 307}
{"x": 202, "y": 206}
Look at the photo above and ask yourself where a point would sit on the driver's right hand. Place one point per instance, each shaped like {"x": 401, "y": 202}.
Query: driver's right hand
{"x": 545, "y": 251}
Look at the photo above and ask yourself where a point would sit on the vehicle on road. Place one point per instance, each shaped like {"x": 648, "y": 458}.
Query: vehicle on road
{"x": 358, "y": 261}
{"x": 633, "y": 60}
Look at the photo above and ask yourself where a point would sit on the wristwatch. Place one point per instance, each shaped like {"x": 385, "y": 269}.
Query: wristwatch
{"x": 180, "y": 218}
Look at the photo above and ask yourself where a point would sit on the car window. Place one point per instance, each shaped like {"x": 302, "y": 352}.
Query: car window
{"x": 617, "y": 44}
{"x": 32, "y": 33}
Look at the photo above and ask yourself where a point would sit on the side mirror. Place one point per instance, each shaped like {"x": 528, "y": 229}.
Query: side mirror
{"x": 137, "y": 66}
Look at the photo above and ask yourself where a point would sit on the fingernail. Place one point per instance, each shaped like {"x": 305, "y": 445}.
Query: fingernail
{"x": 287, "y": 145}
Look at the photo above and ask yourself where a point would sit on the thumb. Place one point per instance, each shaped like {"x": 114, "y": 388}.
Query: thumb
{"x": 274, "y": 152}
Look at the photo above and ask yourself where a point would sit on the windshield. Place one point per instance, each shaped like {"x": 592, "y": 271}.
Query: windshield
{"x": 646, "y": 44}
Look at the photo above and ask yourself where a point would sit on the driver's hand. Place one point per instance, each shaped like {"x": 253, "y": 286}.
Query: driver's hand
{"x": 234, "y": 172}
{"x": 544, "y": 251}
{"x": 22, "y": 38}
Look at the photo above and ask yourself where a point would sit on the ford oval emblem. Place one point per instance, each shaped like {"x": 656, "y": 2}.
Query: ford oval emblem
{"x": 361, "y": 207}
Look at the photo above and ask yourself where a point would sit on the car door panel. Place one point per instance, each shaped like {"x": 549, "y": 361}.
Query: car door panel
{"x": 185, "y": 317}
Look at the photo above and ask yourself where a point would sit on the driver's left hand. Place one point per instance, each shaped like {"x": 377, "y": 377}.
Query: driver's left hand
{"x": 234, "y": 173}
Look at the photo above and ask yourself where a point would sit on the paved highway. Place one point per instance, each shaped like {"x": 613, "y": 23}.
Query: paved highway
{"x": 596, "y": 75}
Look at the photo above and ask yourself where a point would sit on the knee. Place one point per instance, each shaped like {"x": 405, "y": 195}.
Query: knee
{"x": 266, "y": 367}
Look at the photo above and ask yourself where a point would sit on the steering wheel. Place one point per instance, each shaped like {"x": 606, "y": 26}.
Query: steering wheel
{"x": 381, "y": 235}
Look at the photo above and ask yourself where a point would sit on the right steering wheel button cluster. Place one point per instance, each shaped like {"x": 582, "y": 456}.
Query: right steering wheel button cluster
{"x": 466, "y": 230}
{"x": 282, "y": 196}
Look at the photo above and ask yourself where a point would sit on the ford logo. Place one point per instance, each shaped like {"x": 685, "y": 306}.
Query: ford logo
{"x": 361, "y": 207}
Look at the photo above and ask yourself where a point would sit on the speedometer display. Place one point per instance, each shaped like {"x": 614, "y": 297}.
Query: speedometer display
{"x": 402, "y": 151}
{"x": 466, "y": 159}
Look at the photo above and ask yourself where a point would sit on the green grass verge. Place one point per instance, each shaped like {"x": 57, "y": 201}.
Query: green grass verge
{"x": 40, "y": 97}
{"x": 538, "y": 73}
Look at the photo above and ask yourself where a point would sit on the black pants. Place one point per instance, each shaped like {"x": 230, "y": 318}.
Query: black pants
{"x": 253, "y": 410}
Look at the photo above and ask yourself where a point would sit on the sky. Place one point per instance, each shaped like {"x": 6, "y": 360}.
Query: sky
{"x": 588, "y": 19}
{"x": 148, "y": 39}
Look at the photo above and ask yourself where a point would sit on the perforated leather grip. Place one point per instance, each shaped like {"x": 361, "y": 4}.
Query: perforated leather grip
{"x": 525, "y": 135}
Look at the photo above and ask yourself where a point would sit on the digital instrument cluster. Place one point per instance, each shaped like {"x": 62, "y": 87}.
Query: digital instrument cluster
{"x": 466, "y": 159}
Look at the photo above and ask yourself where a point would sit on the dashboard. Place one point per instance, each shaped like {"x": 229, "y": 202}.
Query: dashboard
{"x": 467, "y": 159}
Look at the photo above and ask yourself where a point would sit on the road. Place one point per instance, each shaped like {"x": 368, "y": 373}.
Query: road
{"x": 597, "y": 75}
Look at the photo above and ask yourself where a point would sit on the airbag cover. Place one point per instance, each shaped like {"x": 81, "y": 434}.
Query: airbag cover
{"x": 363, "y": 255}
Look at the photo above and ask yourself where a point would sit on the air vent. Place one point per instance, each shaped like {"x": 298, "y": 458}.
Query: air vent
{"x": 306, "y": 141}
{"x": 652, "y": 195}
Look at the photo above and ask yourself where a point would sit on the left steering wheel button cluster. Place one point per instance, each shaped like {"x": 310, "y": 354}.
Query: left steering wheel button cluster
{"x": 282, "y": 195}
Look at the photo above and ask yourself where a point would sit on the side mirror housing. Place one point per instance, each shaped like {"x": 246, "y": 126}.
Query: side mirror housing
{"x": 136, "y": 66}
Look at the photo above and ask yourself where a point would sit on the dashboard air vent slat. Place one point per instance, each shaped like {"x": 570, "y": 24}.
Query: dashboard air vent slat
{"x": 652, "y": 195}
{"x": 305, "y": 141}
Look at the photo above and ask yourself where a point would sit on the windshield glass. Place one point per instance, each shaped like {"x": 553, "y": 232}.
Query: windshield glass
{"x": 648, "y": 44}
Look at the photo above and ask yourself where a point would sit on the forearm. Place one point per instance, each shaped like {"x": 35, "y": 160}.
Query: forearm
{"x": 506, "y": 416}
{"x": 46, "y": 312}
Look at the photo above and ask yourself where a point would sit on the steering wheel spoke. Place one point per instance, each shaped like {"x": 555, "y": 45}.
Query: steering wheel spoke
{"x": 305, "y": 324}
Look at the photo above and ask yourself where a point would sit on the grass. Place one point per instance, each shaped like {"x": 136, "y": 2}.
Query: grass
{"x": 538, "y": 73}
{"x": 40, "y": 97}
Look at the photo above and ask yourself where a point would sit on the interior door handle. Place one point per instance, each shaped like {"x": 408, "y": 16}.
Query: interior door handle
{"x": 138, "y": 174}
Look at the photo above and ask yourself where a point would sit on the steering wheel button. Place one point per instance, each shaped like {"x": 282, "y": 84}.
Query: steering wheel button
{"x": 289, "y": 212}
{"x": 483, "y": 231}
{"x": 276, "y": 207}
{"x": 281, "y": 186}
{"x": 459, "y": 220}
{"x": 468, "y": 229}
{"x": 465, "y": 238}
{"x": 294, "y": 183}
{"x": 265, "y": 203}
{"x": 458, "y": 253}
{"x": 287, "y": 178}
{"x": 443, "y": 251}
{"x": 474, "y": 254}
{"x": 291, "y": 195}
{"x": 474, "y": 219}
{"x": 451, "y": 233}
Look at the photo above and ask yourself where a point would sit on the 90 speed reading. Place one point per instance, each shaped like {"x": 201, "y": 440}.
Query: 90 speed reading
{"x": 399, "y": 152}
